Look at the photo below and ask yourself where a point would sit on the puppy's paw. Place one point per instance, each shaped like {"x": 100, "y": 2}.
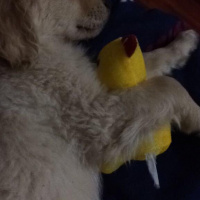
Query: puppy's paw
{"x": 191, "y": 123}
{"x": 189, "y": 39}
{"x": 184, "y": 45}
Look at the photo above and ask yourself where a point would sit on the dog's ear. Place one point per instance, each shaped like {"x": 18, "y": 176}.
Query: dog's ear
{"x": 18, "y": 43}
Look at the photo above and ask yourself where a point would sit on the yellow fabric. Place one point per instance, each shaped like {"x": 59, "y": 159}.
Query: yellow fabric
{"x": 158, "y": 145}
{"x": 117, "y": 71}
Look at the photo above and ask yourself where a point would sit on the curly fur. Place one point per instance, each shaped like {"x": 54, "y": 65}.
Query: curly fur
{"x": 58, "y": 123}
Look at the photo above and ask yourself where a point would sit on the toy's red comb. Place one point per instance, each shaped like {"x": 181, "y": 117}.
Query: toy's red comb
{"x": 130, "y": 43}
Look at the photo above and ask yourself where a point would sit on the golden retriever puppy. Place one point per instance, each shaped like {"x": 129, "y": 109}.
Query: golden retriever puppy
{"x": 58, "y": 124}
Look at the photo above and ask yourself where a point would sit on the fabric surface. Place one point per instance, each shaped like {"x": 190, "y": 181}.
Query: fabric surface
{"x": 179, "y": 166}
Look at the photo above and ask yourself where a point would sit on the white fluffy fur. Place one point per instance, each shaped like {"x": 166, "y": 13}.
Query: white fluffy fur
{"x": 58, "y": 124}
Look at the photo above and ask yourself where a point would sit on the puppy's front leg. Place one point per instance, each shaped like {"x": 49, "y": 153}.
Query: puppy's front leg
{"x": 142, "y": 109}
{"x": 162, "y": 61}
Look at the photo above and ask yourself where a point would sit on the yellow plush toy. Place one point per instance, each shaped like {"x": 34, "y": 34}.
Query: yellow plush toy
{"x": 121, "y": 65}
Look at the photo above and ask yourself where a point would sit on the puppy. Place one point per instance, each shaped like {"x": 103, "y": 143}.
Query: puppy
{"x": 58, "y": 123}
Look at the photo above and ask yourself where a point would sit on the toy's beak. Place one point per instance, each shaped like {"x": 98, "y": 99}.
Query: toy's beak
{"x": 129, "y": 43}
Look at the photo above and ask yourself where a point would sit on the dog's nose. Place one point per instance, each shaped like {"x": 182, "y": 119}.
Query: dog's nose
{"x": 108, "y": 3}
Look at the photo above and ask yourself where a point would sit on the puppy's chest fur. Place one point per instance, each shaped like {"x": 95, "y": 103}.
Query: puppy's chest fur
{"x": 59, "y": 94}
